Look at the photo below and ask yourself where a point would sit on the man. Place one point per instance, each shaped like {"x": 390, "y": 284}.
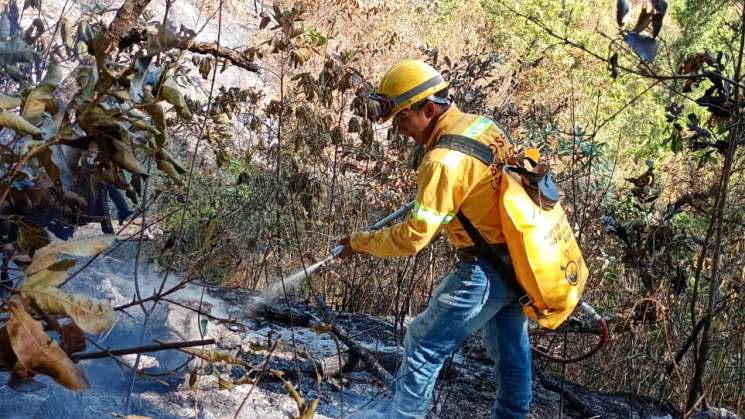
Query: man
{"x": 473, "y": 295}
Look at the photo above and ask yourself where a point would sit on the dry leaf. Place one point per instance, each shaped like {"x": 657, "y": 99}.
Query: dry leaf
{"x": 47, "y": 255}
{"x": 124, "y": 156}
{"x": 224, "y": 384}
{"x": 692, "y": 63}
{"x": 622, "y": 12}
{"x": 22, "y": 380}
{"x": 53, "y": 276}
{"x": 17, "y": 123}
{"x": 321, "y": 328}
{"x": 73, "y": 338}
{"x": 158, "y": 115}
{"x": 31, "y": 236}
{"x": 90, "y": 315}
{"x": 645, "y": 18}
{"x": 265, "y": 20}
{"x": 38, "y": 353}
{"x": 143, "y": 125}
{"x": 66, "y": 34}
{"x": 193, "y": 376}
{"x": 7, "y": 356}
{"x": 170, "y": 170}
{"x": 37, "y": 101}
{"x": 172, "y": 94}
{"x": 294, "y": 394}
{"x": 9, "y": 102}
{"x": 310, "y": 410}
{"x": 215, "y": 356}
{"x": 205, "y": 68}
{"x": 306, "y": 411}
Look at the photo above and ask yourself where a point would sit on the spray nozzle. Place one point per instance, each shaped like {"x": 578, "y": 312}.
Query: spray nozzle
{"x": 337, "y": 250}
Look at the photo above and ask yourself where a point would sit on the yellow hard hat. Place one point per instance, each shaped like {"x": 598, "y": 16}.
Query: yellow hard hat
{"x": 406, "y": 83}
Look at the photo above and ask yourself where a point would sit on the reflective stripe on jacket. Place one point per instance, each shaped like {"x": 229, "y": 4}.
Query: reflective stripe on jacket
{"x": 447, "y": 180}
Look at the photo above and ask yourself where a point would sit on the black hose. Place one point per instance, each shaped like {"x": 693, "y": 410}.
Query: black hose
{"x": 603, "y": 338}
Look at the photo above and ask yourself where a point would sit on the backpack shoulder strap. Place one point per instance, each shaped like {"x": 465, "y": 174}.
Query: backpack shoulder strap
{"x": 482, "y": 153}
{"x": 467, "y": 146}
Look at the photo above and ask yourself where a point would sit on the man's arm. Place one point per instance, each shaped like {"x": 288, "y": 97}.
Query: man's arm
{"x": 439, "y": 195}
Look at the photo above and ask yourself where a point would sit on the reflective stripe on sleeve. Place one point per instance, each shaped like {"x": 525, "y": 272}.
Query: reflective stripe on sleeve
{"x": 430, "y": 216}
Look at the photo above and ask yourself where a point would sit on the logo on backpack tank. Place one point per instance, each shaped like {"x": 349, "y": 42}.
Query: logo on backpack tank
{"x": 571, "y": 272}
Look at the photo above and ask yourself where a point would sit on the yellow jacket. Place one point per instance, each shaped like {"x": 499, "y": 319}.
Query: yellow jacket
{"x": 447, "y": 181}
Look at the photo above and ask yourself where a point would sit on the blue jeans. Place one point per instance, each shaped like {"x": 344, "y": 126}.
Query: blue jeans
{"x": 470, "y": 297}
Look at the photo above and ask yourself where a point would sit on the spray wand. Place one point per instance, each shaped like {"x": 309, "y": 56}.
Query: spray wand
{"x": 377, "y": 226}
{"x": 294, "y": 277}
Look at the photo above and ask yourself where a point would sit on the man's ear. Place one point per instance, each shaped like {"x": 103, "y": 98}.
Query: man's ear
{"x": 430, "y": 110}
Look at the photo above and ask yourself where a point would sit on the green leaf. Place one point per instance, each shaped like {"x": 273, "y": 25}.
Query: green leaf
{"x": 17, "y": 123}
{"x": 203, "y": 325}
{"x": 171, "y": 92}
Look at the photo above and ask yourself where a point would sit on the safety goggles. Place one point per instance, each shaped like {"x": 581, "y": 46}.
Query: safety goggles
{"x": 379, "y": 106}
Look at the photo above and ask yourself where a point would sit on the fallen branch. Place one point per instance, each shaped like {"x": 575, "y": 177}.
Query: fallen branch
{"x": 355, "y": 348}
{"x": 140, "y": 349}
{"x": 334, "y": 365}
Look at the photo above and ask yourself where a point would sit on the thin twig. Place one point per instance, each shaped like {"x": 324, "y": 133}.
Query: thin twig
{"x": 264, "y": 369}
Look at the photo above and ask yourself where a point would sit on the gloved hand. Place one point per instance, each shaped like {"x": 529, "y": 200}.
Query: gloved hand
{"x": 347, "y": 251}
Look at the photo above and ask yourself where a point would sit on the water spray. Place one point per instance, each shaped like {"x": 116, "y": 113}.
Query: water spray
{"x": 293, "y": 278}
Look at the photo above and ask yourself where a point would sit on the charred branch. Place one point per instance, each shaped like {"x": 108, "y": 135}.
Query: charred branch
{"x": 140, "y": 349}
{"x": 373, "y": 366}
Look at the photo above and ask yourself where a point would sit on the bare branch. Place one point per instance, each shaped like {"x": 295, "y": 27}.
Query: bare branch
{"x": 125, "y": 18}
{"x": 235, "y": 57}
